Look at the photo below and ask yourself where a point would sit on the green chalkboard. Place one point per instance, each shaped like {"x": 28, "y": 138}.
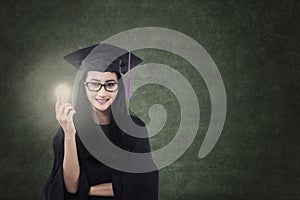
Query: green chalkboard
{"x": 255, "y": 45}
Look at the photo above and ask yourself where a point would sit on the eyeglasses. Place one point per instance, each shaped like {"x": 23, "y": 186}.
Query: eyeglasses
{"x": 96, "y": 86}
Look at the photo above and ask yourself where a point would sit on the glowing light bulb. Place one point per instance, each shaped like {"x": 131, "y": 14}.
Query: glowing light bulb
{"x": 63, "y": 91}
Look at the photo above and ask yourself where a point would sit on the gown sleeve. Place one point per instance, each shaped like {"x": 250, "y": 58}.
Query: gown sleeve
{"x": 136, "y": 186}
{"x": 54, "y": 188}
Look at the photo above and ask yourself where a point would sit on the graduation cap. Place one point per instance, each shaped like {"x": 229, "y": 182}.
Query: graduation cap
{"x": 104, "y": 58}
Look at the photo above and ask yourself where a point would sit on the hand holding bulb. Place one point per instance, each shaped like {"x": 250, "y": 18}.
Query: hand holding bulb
{"x": 64, "y": 111}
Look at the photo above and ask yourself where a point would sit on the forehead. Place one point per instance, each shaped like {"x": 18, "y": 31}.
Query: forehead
{"x": 101, "y": 76}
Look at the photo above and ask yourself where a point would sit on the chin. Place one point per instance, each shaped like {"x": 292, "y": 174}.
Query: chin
{"x": 102, "y": 108}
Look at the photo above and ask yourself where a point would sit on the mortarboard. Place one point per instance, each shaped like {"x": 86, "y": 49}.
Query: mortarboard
{"x": 104, "y": 57}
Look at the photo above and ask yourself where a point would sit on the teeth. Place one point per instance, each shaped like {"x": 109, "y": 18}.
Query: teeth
{"x": 102, "y": 100}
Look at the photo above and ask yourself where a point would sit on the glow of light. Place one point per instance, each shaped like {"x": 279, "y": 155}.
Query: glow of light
{"x": 63, "y": 91}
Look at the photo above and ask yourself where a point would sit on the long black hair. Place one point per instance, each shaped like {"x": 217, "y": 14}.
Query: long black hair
{"x": 129, "y": 130}
{"x": 83, "y": 108}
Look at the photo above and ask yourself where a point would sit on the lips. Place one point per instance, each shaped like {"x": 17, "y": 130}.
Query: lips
{"x": 102, "y": 101}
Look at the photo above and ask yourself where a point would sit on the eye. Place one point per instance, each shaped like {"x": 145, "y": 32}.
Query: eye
{"x": 94, "y": 84}
{"x": 110, "y": 84}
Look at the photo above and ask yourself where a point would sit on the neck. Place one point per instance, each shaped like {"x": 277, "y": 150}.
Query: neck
{"x": 102, "y": 117}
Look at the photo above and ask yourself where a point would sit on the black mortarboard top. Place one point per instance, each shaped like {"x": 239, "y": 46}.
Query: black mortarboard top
{"x": 103, "y": 57}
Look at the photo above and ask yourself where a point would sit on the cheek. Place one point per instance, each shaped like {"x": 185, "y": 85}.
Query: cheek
{"x": 89, "y": 96}
{"x": 114, "y": 95}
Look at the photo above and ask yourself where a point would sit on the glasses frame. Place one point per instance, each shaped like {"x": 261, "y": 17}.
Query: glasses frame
{"x": 101, "y": 85}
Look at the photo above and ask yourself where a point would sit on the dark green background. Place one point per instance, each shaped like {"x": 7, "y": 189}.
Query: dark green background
{"x": 255, "y": 45}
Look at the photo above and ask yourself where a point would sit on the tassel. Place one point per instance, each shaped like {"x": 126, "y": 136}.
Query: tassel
{"x": 128, "y": 78}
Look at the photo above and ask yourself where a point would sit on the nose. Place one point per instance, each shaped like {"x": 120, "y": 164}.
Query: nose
{"x": 102, "y": 91}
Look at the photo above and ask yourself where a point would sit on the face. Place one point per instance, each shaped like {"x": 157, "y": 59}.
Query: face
{"x": 101, "y": 100}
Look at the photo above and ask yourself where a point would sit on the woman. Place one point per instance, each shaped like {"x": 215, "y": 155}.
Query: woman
{"x": 79, "y": 174}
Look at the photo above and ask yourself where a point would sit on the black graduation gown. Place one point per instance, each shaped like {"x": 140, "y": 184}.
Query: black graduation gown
{"x": 126, "y": 186}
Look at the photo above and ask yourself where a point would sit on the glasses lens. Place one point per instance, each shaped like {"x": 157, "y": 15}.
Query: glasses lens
{"x": 93, "y": 86}
{"x": 111, "y": 86}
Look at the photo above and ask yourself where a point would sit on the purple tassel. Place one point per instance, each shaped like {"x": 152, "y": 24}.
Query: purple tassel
{"x": 128, "y": 79}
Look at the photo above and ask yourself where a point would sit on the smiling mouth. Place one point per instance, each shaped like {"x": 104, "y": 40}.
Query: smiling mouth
{"x": 102, "y": 101}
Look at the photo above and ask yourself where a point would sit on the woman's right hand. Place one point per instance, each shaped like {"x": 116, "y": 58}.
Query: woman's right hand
{"x": 64, "y": 115}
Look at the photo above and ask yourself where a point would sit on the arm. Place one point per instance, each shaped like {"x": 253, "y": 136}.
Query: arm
{"x": 55, "y": 188}
{"x": 70, "y": 164}
{"x": 64, "y": 115}
{"x": 104, "y": 189}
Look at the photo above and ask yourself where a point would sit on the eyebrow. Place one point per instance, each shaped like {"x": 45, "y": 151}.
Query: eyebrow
{"x": 105, "y": 81}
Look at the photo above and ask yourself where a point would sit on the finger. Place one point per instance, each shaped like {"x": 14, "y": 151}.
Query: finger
{"x": 58, "y": 102}
{"x": 61, "y": 108}
{"x": 71, "y": 113}
{"x": 64, "y": 117}
{"x": 69, "y": 116}
{"x": 67, "y": 109}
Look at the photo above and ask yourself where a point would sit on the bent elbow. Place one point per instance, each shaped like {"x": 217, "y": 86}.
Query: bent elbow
{"x": 72, "y": 190}
{"x": 71, "y": 184}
